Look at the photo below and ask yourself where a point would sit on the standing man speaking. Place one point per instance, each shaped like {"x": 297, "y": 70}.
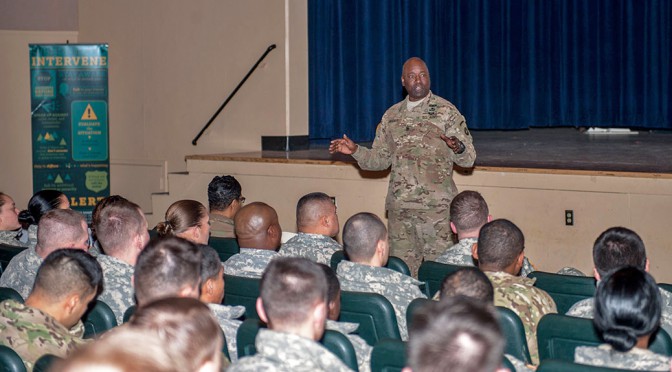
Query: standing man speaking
{"x": 420, "y": 137}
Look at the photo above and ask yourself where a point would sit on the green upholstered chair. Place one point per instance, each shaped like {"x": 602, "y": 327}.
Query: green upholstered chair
{"x": 388, "y": 356}
{"x": 556, "y": 365}
{"x": 247, "y": 333}
{"x": 665, "y": 286}
{"x": 10, "y": 361}
{"x": 242, "y": 291}
{"x": 413, "y": 307}
{"x": 433, "y": 273}
{"x": 129, "y": 313}
{"x": 44, "y": 363}
{"x": 7, "y": 252}
{"x": 374, "y": 314}
{"x": 566, "y": 290}
{"x": 10, "y": 294}
{"x": 98, "y": 319}
{"x": 393, "y": 263}
{"x": 558, "y": 336}
{"x": 225, "y": 247}
{"x": 514, "y": 333}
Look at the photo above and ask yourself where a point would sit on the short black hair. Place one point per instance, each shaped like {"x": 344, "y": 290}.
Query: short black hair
{"x": 309, "y": 209}
{"x": 627, "y": 306}
{"x": 468, "y": 211}
{"x": 333, "y": 285}
{"x": 499, "y": 243}
{"x": 469, "y": 282}
{"x": 618, "y": 247}
{"x": 223, "y": 190}
{"x": 69, "y": 270}
{"x": 211, "y": 264}
{"x": 42, "y": 202}
{"x": 361, "y": 234}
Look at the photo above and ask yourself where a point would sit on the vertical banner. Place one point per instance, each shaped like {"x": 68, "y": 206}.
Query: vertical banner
{"x": 69, "y": 115}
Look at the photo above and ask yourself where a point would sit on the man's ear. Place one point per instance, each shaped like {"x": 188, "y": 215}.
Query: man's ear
{"x": 490, "y": 218}
{"x": 646, "y": 266}
{"x": 474, "y": 251}
{"x": 453, "y": 228}
{"x": 260, "y": 310}
{"x": 406, "y": 369}
{"x": 319, "y": 319}
{"x": 597, "y": 275}
{"x": 209, "y": 286}
{"x": 71, "y": 303}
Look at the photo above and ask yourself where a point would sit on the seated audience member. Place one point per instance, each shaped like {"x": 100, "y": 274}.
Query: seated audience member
{"x": 187, "y": 219}
{"x": 39, "y": 204}
{"x": 627, "y": 313}
{"x": 66, "y": 282}
{"x": 458, "y": 334}
{"x": 212, "y": 294}
{"x": 293, "y": 304}
{"x": 167, "y": 267}
{"x": 365, "y": 242}
{"x": 95, "y": 249}
{"x": 615, "y": 248}
{"x": 362, "y": 349}
{"x": 188, "y": 328}
{"x": 10, "y": 228}
{"x": 121, "y": 229}
{"x": 500, "y": 254}
{"x": 224, "y": 200}
{"x": 258, "y": 232}
{"x": 59, "y": 228}
{"x": 317, "y": 224}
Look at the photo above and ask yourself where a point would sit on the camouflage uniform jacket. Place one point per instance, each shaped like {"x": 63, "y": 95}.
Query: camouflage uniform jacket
{"x": 585, "y": 308}
{"x": 362, "y": 349}
{"x": 11, "y": 237}
{"x": 21, "y": 272}
{"x": 278, "y": 351}
{"x": 422, "y": 163}
{"x": 32, "y": 236}
{"x": 33, "y": 333}
{"x": 221, "y": 227}
{"x": 636, "y": 359}
{"x": 118, "y": 286}
{"x": 249, "y": 263}
{"x": 227, "y": 317}
{"x": 460, "y": 254}
{"x": 518, "y": 364}
{"x": 315, "y": 247}
{"x": 398, "y": 288}
{"x": 528, "y": 302}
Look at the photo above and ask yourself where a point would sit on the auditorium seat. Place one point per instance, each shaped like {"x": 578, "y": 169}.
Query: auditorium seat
{"x": 388, "y": 356}
{"x": 129, "y": 313}
{"x": 413, "y": 307}
{"x": 242, "y": 291}
{"x": 514, "y": 332}
{"x": 374, "y": 314}
{"x": 45, "y": 362}
{"x": 225, "y": 247}
{"x": 10, "y": 294}
{"x": 665, "y": 286}
{"x": 98, "y": 319}
{"x": 566, "y": 290}
{"x": 10, "y": 361}
{"x": 432, "y": 274}
{"x": 393, "y": 263}
{"x": 556, "y": 365}
{"x": 7, "y": 252}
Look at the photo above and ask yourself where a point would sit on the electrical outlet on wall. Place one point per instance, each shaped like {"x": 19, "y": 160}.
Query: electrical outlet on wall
{"x": 569, "y": 217}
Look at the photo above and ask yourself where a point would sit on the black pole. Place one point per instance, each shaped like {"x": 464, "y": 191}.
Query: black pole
{"x": 268, "y": 50}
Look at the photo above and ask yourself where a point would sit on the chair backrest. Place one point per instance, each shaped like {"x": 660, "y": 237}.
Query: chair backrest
{"x": 242, "y": 291}
{"x": 514, "y": 332}
{"x": 98, "y": 319}
{"x": 566, "y": 290}
{"x": 558, "y": 336}
{"x": 393, "y": 263}
{"x": 10, "y": 294}
{"x": 246, "y": 335}
{"x": 374, "y": 314}
{"x": 7, "y": 252}
{"x": 225, "y": 247}
{"x": 44, "y": 363}
{"x": 433, "y": 273}
{"x": 129, "y": 313}
{"x": 556, "y": 365}
{"x": 413, "y": 307}
{"x": 665, "y": 286}
{"x": 388, "y": 356}
{"x": 10, "y": 361}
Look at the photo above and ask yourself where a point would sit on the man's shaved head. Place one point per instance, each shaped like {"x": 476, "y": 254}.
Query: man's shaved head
{"x": 257, "y": 226}
{"x": 415, "y": 78}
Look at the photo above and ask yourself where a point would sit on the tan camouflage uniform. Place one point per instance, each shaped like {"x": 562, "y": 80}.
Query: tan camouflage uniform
{"x": 362, "y": 349}
{"x": 118, "y": 292}
{"x": 421, "y": 183}
{"x": 315, "y": 247}
{"x": 460, "y": 254}
{"x": 585, "y": 308}
{"x": 221, "y": 227}
{"x": 398, "y": 288}
{"x": 11, "y": 237}
{"x": 278, "y": 351}
{"x": 636, "y": 359}
{"x": 21, "y": 272}
{"x": 528, "y": 302}
{"x": 33, "y": 333}
{"x": 249, "y": 263}
{"x": 227, "y": 317}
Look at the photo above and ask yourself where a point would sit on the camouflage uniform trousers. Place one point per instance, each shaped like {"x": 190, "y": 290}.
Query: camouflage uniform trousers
{"x": 416, "y": 235}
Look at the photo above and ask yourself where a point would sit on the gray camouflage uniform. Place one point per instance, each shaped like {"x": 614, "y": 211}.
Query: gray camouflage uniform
{"x": 398, "y": 288}
{"x": 32, "y": 236}
{"x": 249, "y": 263}
{"x": 118, "y": 286}
{"x": 21, "y": 272}
{"x": 460, "y": 254}
{"x": 421, "y": 180}
{"x": 278, "y": 351}
{"x": 636, "y": 359}
{"x": 227, "y": 317}
{"x": 585, "y": 308}
{"x": 315, "y": 247}
{"x": 11, "y": 237}
{"x": 528, "y": 302}
{"x": 362, "y": 349}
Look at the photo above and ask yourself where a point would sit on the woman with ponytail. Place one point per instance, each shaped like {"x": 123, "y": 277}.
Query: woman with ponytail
{"x": 187, "y": 219}
{"x": 627, "y": 314}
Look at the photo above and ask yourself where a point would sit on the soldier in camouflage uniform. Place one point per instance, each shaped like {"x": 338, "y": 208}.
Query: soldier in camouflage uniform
{"x": 500, "y": 255}
{"x": 258, "y": 232}
{"x": 59, "y": 228}
{"x": 365, "y": 242}
{"x": 421, "y": 138}
{"x": 10, "y": 228}
{"x": 292, "y": 302}
{"x": 224, "y": 200}
{"x": 66, "y": 283}
{"x": 317, "y": 224}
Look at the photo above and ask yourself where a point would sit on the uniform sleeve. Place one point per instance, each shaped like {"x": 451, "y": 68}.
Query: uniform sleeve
{"x": 378, "y": 157}
{"x": 466, "y": 158}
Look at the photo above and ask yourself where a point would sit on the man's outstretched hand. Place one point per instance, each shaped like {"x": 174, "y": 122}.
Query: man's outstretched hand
{"x": 452, "y": 142}
{"x": 343, "y": 145}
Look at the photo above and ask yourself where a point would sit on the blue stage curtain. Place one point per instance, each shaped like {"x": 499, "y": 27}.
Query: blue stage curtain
{"x": 506, "y": 64}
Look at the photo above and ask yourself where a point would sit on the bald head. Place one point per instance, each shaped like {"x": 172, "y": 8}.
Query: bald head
{"x": 415, "y": 78}
{"x": 257, "y": 226}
